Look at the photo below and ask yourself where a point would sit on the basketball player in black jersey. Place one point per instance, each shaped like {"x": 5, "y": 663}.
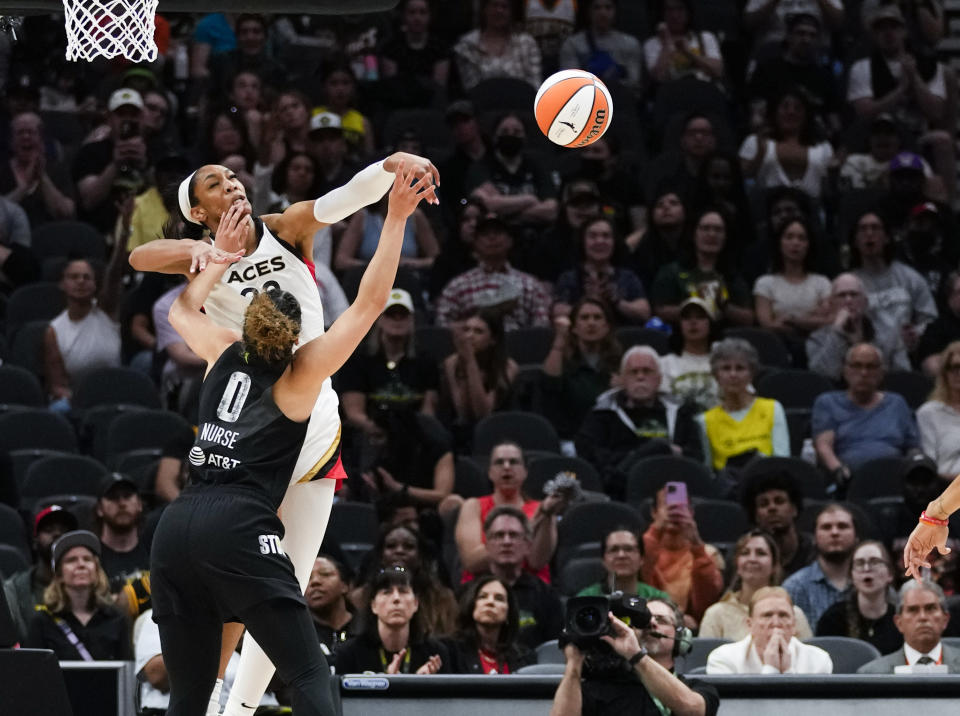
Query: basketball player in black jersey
{"x": 216, "y": 554}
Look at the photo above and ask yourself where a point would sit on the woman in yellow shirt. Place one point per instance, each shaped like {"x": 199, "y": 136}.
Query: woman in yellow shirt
{"x": 743, "y": 425}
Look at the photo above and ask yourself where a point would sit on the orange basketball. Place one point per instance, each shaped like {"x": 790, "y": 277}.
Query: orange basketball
{"x": 573, "y": 108}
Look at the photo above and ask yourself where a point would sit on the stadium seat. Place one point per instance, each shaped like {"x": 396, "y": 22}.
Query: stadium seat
{"x": 580, "y": 573}
{"x": 402, "y": 120}
{"x": 526, "y": 393}
{"x": 95, "y": 424}
{"x": 697, "y": 658}
{"x": 769, "y": 346}
{"x": 630, "y": 336}
{"x": 542, "y": 469}
{"x": 355, "y": 527}
{"x": 502, "y": 93}
{"x": 469, "y": 479}
{"x": 141, "y": 429}
{"x": 434, "y": 342}
{"x": 583, "y": 525}
{"x": 720, "y": 521}
{"x": 531, "y": 431}
{"x": 549, "y": 653}
{"x": 83, "y": 507}
{"x": 108, "y": 386}
{"x": 19, "y": 386}
{"x": 650, "y": 474}
{"x": 67, "y": 238}
{"x": 687, "y": 95}
{"x": 529, "y": 345}
{"x": 26, "y": 347}
{"x": 798, "y": 423}
{"x": 40, "y": 301}
{"x": 913, "y": 386}
{"x": 61, "y": 474}
{"x": 886, "y": 513}
{"x": 847, "y": 654}
{"x": 36, "y": 429}
{"x": 876, "y": 478}
{"x": 13, "y": 531}
{"x": 810, "y": 480}
{"x": 793, "y": 388}
{"x": 12, "y": 560}
{"x": 542, "y": 669}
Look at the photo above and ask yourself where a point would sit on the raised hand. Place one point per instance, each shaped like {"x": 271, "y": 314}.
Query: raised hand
{"x": 232, "y": 231}
{"x": 203, "y": 253}
{"x": 419, "y": 167}
{"x": 405, "y": 195}
{"x": 624, "y": 641}
{"x": 394, "y": 667}
{"x": 922, "y": 541}
{"x": 431, "y": 665}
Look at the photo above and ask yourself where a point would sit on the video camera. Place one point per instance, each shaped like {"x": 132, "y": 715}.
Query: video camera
{"x": 586, "y": 620}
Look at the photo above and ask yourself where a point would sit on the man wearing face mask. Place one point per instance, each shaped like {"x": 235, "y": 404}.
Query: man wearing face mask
{"x": 511, "y": 184}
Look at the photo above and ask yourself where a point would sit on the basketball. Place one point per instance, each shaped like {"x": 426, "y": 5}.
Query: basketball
{"x": 573, "y": 108}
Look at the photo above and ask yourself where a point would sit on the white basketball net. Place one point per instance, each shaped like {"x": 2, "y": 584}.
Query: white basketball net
{"x": 107, "y": 28}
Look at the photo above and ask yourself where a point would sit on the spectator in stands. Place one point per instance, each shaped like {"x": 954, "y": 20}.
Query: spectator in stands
{"x": 791, "y": 155}
{"x": 587, "y": 691}
{"x": 510, "y": 183}
{"x": 743, "y": 425}
{"x": 924, "y": 21}
{"x": 18, "y": 265}
{"x": 800, "y": 60}
{"x": 913, "y": 89}
{"x": 828, "y": 346}
{"x": 871, "y": 169}
{"x": 680, "y": 167}
{"x": 613, "y": 56}
{"x": 770, "y": 647}
{"x": 772, "y": 501}
{"x": 925, "y": 244}
{"x": 679, "y": 49}
{"x": 477, "y": 378}
{"x": 153, "y": 208}
{"x": 246, "y": 96}
{"x": 285, "y": 128}
{"x": 497, "y": 48}
{"x": 508, "y": 535}
{"x": 489, "y": 622}
{"x": 392, "y": 639}
{"x": 507, "y": 471}
{"x": 621, "y": 550}
{"x": 608, "y": 164}
{"x": 826, "y": 580}
{"x": 792, "y": 300}
{"x": 78, "y": 620}
{"x": 24, "y": 589}
{"x": 861, "y": 423}
{"x": 120, "y": 161}
{"x": 326, "y": 143}
{"x": 403, "y": 547}
{"x": 922, "y": 616}
{"x": 899, "y": 298}
{"x": 633, "y": 421}
{"x": 938, "y": 419}
{"x": 32, "y": 178}
{"x": 223, "y": 135}
{"x": 456, "y": 253}
{"x": 757, "y": 565}
{"x": 767, "y": 21}
{"x": 326, "y": 596}
{"x": 294, "y": 178}
{"x": 359, "y": 241}
{"x": 720, "y": 184}
{"x": 160, "y": 131}
{"x": 600, "y": 275}
{"x": 867, "y": 612}
{"x": 86, "y": 335}
{"x": 182, "y": 368}
{"x": 661, "y": 243}
{"x": 494, "y": 284}
{"x": 118, "y": 512}
{"x": 677, "y": 561}
{"x": 340, "y": 94}
{"x": 687, "y": 376}
{"x": 468, "y": 147}
{"x": 415, "y": 61}
{"x": 704, "y": 270}
{"x": 559, "y": 248}
{"x": 582, "y": 361}
{"x": 250, "y": 54}
{"x": 550, "y": 24}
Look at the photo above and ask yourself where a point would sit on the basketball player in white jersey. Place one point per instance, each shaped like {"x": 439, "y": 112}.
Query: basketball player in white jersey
{"x": 277, "y": 253}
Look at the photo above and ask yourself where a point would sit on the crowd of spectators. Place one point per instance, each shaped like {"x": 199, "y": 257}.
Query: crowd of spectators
{"x": 775, "y": 198}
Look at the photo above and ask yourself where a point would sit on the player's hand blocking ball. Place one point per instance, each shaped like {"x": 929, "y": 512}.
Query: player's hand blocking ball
{"x": 573, "y": 108}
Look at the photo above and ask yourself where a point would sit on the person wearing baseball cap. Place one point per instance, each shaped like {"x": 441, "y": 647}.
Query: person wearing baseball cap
{"x": 119, "y": 511}
{"x": 327, "y": 144}
{"x": 24, "y": 589}
{"x": 686, "y": 373}
{"x": 77, "y": 619}
{"x": 926, "y": 246}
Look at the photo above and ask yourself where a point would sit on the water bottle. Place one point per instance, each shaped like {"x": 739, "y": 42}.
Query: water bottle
{"x": 808, "y": 453}
{"x": 181, "y": 63}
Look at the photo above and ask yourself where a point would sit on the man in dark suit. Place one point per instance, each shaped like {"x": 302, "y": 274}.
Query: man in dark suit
{"x": 921, "y": 617}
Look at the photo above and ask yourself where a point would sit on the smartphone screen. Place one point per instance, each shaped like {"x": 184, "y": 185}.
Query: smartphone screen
{"x": 676, "y": 493}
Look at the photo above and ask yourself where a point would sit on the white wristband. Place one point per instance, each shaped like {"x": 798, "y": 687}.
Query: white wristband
{"x": 366, "y": 187}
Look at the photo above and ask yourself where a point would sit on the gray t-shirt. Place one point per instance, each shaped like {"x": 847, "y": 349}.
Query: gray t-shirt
{"x": 898, "y": 296}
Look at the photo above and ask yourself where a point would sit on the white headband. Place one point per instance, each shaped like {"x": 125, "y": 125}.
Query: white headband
{"x": 183, "y": 198}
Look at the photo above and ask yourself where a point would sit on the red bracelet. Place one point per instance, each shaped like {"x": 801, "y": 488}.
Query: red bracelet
{"x": 928, "y": 520}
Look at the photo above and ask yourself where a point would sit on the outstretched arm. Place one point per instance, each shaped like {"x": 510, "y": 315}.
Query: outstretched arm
{"x": 297, "y": 390}
{"x": 929, "y": 534}
{"x": 183, "y": 256}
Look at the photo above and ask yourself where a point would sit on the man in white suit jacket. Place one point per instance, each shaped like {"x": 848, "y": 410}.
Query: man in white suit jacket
{"x": 770, "y": 647}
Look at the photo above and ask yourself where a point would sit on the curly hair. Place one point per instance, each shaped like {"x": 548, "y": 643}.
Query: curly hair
{"x": 271, "y": 326}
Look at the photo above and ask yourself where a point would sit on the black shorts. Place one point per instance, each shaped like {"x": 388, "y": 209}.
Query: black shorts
{"x": 216, "y": 552}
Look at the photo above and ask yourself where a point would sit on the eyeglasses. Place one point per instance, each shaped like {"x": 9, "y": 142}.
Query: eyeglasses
{"x": 863, "y": 565}
{"x": 501, "y": 461}
{"x": 501, "y": 535}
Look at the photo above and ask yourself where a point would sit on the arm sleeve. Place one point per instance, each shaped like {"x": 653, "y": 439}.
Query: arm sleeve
{"x": 366, "y": 187}
{"x": 781, "y": 432}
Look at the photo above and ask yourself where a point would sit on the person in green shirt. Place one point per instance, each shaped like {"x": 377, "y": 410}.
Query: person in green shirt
{"x": 622, "y": 554}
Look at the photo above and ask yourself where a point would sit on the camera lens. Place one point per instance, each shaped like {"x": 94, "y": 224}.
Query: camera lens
{"x": 588, "y": 620}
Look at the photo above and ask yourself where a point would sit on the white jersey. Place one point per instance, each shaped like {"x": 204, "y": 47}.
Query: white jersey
{"x": 276, "y": 264}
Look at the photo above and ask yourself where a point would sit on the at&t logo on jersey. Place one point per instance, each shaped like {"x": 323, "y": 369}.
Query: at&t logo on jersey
{"x": 270, "y": 544}
{"x": 196, "y": 457}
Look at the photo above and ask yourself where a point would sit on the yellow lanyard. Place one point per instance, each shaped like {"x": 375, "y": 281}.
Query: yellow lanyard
{"x": 405, "y": 667}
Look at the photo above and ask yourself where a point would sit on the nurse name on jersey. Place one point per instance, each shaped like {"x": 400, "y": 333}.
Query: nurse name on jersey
{"x": 256, "y": 270}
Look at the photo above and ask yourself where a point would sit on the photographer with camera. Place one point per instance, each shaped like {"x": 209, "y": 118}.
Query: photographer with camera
{"x": 614, "y": 668}
{"x": 110, "y": 168}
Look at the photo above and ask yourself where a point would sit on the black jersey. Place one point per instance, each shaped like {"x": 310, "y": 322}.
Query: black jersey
{"x": 243, "y": 439}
